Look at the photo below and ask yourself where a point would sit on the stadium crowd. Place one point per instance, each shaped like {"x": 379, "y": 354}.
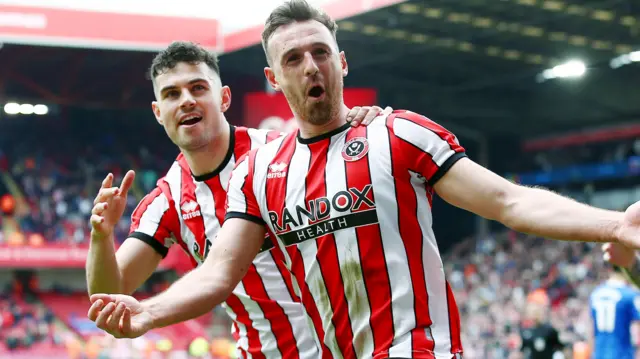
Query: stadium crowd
{"x": 496, "y": 278}
{"x": 58, "y": 176}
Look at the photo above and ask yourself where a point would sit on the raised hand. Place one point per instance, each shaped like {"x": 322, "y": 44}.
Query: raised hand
{"x": 109, "y": 205}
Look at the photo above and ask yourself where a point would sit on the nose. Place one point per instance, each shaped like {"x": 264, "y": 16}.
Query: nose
{"x": 187, "y": 101}
{"x": 310, "y": 66}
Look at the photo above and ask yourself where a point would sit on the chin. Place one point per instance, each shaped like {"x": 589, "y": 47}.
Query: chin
{"x": 193, "y": 144}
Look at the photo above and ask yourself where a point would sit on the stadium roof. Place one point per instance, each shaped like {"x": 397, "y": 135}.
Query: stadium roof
{"x": 475, "y": 62}
{"x": 469, "y": 63}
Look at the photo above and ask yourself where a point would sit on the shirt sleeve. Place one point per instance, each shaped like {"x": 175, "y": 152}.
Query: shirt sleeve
{"x": 155, "y": 222}
{"x": 425, "y": 145}
{"x": 635, "y": 306}
{"x": 241, "y": 199}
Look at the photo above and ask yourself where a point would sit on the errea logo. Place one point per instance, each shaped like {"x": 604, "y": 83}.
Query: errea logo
{"x": 277, "y": 170}
{"x": 190, "y": 210}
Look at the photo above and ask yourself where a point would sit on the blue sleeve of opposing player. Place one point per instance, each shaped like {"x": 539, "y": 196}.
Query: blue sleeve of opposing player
{"x": 635, "y": 306}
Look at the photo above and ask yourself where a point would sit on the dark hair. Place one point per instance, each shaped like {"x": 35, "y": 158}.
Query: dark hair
{"x": 182, "y": 51}
{"x": 290, "y": 12}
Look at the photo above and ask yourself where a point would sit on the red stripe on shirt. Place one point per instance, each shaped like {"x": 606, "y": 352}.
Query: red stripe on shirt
{"x": 454, "y": 322}
{"x": 276, "y": 190}
{"x": 372, "y": 259}
{"x": 411, "y": 235}
{"x": 328, "y": 262}
{"x": 281, "y": 329}
{"x": 242, "y": 316}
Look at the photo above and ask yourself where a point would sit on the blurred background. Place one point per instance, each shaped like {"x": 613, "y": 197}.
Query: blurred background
{"x": 544, "y": 92}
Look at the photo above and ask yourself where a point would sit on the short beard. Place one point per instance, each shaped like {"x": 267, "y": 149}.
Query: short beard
{"x": 325, "y": 111}
{"x": 320, "y": 114}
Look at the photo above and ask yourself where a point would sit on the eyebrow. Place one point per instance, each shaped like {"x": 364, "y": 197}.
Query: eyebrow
{"x": 294, "y": 49}
{"x": 171, "y": 87}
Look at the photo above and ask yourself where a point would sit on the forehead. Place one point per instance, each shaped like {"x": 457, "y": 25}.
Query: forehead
{"x": 299, "y": 35}
{"x": 185, "y": 72}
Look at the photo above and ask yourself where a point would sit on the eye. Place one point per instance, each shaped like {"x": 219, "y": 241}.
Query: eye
{"x": 293, "y": 58}
{"x": 199, "y": 87}
{"x": 172, "y": 94}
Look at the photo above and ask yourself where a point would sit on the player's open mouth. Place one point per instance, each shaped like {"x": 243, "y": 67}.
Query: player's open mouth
{"x": 316, "y": 92}
{"x": 190, "y": 120}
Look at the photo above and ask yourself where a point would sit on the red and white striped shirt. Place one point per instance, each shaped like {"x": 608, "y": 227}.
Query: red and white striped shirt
{"x": 351, "y": 211}
{"x": 269, "y": 320}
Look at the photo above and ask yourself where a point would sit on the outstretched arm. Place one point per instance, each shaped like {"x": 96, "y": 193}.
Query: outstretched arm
{"x": 201, "y": 290}
{"x": 525, "y": 209}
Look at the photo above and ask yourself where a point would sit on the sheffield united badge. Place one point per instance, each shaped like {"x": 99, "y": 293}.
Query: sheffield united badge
{"x": 355, "y": 149}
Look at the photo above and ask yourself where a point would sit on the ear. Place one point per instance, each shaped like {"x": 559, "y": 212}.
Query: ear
{"x": 225, "y": 95}
{"x": 271, "y": 78}
{"x": 156, "y": 111}
{"x": 343, "y": 64}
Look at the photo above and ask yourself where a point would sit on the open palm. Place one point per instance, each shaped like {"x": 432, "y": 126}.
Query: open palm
{"x": 119, "y": 315}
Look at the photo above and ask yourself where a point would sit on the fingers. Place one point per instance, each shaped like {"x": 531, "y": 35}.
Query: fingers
{"x": 96, "y": 213}
{"x": 387, "y": 111}
{"x": 99, "y": 208}
{"x": 106, "y": 194}
{"x": 101, "y": 320}
{"x": 94, "y": 310}
{"x": 105, "y": 298}
{"x": 371, "y": 115}
{"x": 95, "y": 220}
{"x": 113, "y": 323}
{"x": 352, "y": 113}
{"x": 360, "y": 116}
{"x": 127, "y": 181}
{"x": 126, "y": 322}
{"x": 108, "y": 181}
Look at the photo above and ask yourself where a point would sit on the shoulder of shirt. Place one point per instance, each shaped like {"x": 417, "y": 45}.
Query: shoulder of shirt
{"x": 406, "y": 115}
{"x": 179, "y": 164}
{"x": 273, "y": 145}
{"x": 261, "y": 132}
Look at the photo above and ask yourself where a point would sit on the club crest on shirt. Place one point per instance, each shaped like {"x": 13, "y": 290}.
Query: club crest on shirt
{"x": 355, "y": 149}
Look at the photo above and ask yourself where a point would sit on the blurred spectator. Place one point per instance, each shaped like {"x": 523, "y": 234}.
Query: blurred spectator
{"x": 495, "y": 279}
{"x": 59, "y": 176}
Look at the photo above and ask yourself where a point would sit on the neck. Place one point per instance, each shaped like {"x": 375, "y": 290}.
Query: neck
{"x": 308, "y": 130}
{"x": 208, "y": 158}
